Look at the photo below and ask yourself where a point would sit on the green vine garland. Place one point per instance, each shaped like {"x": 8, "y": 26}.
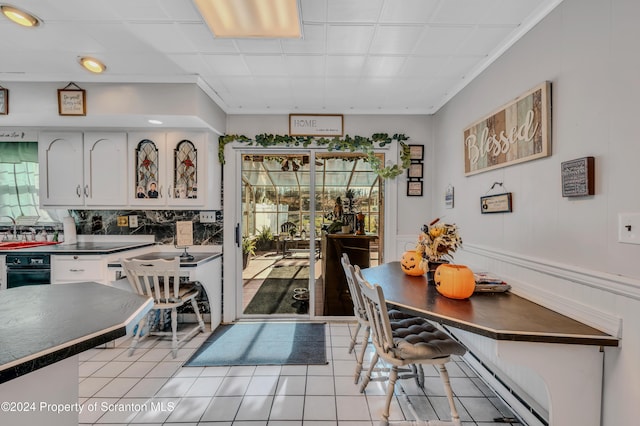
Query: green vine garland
{"x": 348, "y": 143}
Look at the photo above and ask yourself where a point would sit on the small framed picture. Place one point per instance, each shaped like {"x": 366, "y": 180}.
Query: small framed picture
{"x": 4, "y": 101}
{"x": 415, "y": 170}
{"x": 448, "y": 197}
{"x": 416, "y": 152}
{"x": 499, "y": 203}
{"x": 72, "y": 100}
{"x": 414, "y": 188}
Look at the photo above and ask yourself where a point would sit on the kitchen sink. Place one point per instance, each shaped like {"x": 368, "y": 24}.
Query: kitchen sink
{"x": 14, "y": 245}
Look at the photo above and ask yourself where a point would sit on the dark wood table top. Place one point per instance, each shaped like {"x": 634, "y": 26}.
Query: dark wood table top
{"x": 500, "y": 316}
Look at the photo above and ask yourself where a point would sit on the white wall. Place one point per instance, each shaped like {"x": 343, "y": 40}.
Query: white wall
{"x": 114, "y": 105}
{"x": 562, "y": 250}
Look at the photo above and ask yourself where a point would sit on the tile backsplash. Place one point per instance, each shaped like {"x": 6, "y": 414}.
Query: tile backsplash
{"x": 160, "y": 223}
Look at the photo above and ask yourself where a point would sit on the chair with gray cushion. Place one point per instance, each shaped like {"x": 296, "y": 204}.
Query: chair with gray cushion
{"x": 360, "y": 313}
{"x": 412, "y": 341}
{"x": 160, "y": 279}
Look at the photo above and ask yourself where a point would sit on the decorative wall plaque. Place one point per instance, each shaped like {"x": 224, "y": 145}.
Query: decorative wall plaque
{"x": 519, "y": 131}
{"x": 4, "y": 101}
{"x": 578, "y": 177}
{"x": 499, "y": 203}
{"x": 316, "y": 125}
{"x": 72, "y": 100}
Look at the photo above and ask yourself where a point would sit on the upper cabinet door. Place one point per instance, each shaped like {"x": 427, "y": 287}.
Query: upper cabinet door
{"x": 105, "y": 167}
{"x": 147, "y": 163}
{"x": 61, "y": 169}
{"x": 186, "y": 163}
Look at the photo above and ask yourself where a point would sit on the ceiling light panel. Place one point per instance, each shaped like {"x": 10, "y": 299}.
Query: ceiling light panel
{"x": 251, "y": 18}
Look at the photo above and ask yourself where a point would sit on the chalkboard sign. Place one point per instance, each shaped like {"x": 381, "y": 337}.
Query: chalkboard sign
{"x": 578, "y": 177}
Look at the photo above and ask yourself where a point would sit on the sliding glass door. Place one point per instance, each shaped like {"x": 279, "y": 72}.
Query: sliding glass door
{"x": 288, "y": 210}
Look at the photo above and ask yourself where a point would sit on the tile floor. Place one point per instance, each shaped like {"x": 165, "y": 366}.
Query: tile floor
{"x": 152, "y": 388}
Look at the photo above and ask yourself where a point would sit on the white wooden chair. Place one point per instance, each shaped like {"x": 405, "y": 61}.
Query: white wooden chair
{"x": 160, "y": 279}
{"x": 360, "y": 313}
{"x": 412, "y": 341}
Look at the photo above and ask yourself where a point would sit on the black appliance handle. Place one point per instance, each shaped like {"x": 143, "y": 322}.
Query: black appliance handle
{"x": 238, "y": 234}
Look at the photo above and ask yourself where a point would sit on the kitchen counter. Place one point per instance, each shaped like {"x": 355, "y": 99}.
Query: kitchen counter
{"x": 198, "y": 258}
{"x": 82, "y": 248}
{"x": 42, "y": 325}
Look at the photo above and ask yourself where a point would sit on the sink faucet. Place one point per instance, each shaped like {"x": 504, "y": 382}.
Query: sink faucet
{"x": 15, "y": 228}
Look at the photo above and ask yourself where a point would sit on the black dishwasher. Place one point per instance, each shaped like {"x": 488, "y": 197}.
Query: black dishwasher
{"x": 28, "y": 269}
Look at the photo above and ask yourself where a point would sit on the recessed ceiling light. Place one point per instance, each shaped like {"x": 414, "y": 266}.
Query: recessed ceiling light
{"x": 92, "y": 64}
{"x": 155, "y": 121}
{"x": 18, "y": 16}
{"x": 251, "y": 18}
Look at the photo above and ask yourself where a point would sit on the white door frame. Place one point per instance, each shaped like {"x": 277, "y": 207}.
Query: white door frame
{"x": 232, "y": 212}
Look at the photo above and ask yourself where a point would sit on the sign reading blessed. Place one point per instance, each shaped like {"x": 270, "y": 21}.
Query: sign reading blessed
{"x": 519, "y": 131}
{"x": 315, "y": 125}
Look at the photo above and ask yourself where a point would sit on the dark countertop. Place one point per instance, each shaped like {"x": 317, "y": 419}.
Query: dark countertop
{"x": 500, "y": 316}
{"x": 44, "y": 324}
{"x": 81, "y": 248}
{"x": 198, "y": 258}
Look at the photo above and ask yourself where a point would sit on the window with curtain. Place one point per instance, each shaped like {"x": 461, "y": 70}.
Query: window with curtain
{"x": 19, "y": 181}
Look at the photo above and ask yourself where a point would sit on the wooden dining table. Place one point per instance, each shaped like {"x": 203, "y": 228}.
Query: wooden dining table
{"x": 566, "y": 353}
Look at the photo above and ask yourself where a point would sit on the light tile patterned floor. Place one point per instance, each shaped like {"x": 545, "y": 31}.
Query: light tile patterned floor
{"x": 152, "y": 388}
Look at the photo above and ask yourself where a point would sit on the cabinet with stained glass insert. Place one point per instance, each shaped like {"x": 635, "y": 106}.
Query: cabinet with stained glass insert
{"x": 168, "y": 169}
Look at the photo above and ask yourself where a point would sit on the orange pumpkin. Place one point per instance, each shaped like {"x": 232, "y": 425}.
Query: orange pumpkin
{"x": 410, "y": 263}
{"x": 455, "y": 281}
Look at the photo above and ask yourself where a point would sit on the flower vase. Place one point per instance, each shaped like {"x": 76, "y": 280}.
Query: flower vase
{"x": 431, "y": 271}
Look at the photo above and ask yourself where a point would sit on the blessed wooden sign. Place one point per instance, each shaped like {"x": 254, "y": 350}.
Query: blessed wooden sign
{"x": 519, "y": 131}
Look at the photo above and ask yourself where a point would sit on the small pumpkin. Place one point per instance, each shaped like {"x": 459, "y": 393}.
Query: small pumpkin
{"x": 411, "y": 263}
{"x": 455, "y": 281}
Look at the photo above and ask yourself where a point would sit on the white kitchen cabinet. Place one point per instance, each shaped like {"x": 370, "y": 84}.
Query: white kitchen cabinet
{"x": 77, "y": 268}
{"x": 182, "y": 165}
{"x": 79, "y": 169}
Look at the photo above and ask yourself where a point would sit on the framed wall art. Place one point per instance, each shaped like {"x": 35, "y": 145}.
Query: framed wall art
{"x": 4, "y": 101}
{"x": 416, "y": 152}
{"x": 415, "y": 170}
{"x": 517, "y": 132}
{"x": 72, "y": 100}
{"x": 414, "y": 188}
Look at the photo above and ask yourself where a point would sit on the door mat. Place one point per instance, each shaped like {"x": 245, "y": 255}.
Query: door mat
{"x": 262, "y": 343}
{"x": 278, "y": 295}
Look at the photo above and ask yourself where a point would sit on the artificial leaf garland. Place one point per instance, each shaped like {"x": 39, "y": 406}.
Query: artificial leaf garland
{"x": 348, "y": 143}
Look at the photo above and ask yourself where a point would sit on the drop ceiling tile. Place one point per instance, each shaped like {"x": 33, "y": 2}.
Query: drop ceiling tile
{"x": 261, "y": 65}
{"x": 313, "y": 41}
{"x": 383, "y": 66}
{"x": 398, "y": 39}
{"x": 411, "y": 11}
{"x": 344, "y": 65}
{"x": 259, "y": 46}
{"x": 69, "y": 10}
{"x": 113, "y": 36}
{"x": 305, "y": 65}
{"x": 163, "y": 37}
{"x": 484, "y": 40}
{"x": 463, "y": 11}
{"x": 442, "y": 40}
{"x": 313, "y": 10}
{"x": 190, "y": 63}
{"x": 353, "y": 10}
{"x": 180, "y": 11}
{"x": 423, "y": 66}
{"x": 227, "y": 65}
{"x": 509, "y": 12}
{"x": 349, "y": 39}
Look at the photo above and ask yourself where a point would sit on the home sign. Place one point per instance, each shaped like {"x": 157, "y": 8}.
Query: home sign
{"x": 519, "y": 131}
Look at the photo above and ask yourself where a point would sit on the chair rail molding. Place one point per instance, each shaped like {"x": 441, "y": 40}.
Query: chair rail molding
{"x": 604, "y": 321}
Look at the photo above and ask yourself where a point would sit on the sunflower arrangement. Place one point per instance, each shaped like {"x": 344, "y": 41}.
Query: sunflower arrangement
{"x": 438, "y": 241}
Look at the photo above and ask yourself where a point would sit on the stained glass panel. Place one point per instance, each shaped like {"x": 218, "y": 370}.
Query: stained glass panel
{"x": 185, "y": 170}
{"x": 146, "y": 169}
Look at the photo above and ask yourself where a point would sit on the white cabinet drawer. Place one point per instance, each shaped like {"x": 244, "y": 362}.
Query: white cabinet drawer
{"x": 77, "y": 268}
